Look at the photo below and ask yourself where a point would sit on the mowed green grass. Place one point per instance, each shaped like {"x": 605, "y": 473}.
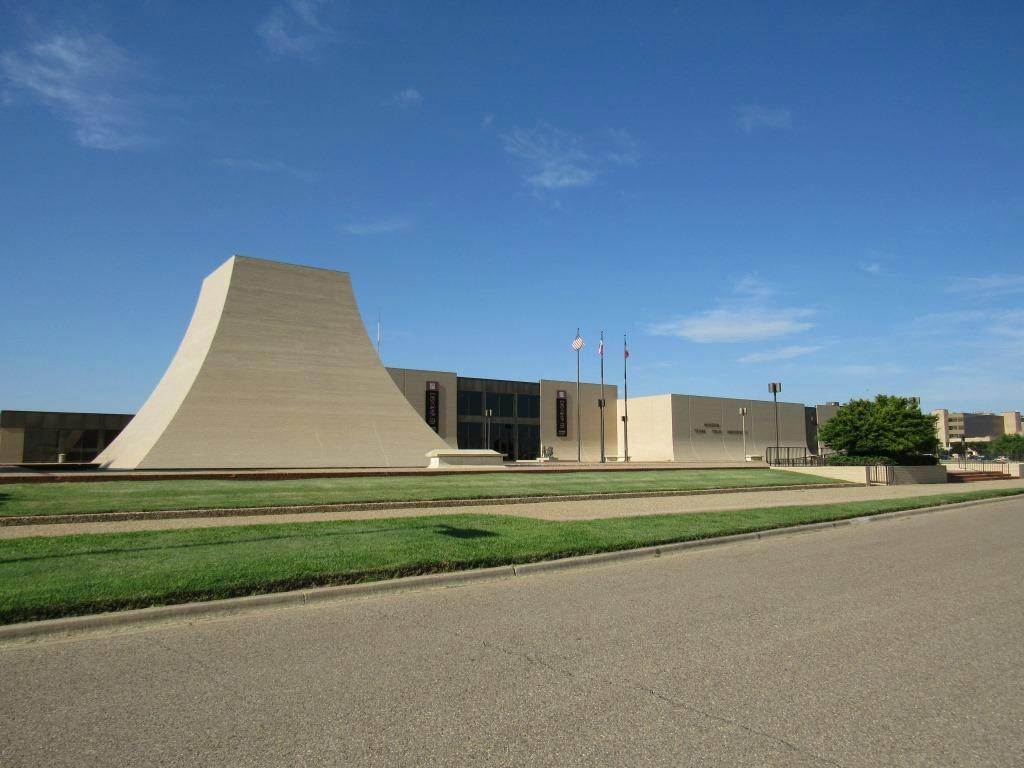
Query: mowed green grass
{"x": 149, "y": 495}
{"x": 44, "y": 577}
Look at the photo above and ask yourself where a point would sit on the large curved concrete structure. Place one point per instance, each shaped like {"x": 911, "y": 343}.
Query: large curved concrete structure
{"x": 275, "y": 371}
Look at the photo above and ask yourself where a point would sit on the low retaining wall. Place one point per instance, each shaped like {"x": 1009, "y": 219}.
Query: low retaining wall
{"x": 849, "y": 474}
{"x": 900, "y": 475}
{"x": 907, "y": 475}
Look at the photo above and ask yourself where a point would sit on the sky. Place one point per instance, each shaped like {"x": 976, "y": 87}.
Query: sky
{"x": 830, "y": 195}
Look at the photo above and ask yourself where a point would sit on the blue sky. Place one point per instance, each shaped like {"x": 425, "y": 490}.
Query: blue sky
{"x": 826, "y": 194}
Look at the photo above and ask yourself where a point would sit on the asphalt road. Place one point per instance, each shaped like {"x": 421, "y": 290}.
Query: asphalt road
{"x": 895, "y": 643}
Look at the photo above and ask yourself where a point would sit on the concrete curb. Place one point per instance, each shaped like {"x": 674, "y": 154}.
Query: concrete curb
{"x": 181, "y": 514}
{"x": 77, "y": 625}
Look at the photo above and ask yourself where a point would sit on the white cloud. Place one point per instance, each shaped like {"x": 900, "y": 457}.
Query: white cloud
{"x": 377, "y": 226}
{"x": 265, "y": 166}
{"x": 406, "y": 99}
{"x": 735, "y": 325}
{"x": 488, "y": 119}
{"x": 85, "y": 79}
{"x": 295, "y": 28}
{"x": 871, "y": 267}
{"x": 555, "y": 159}
{"x": 753, "y": 285}
{"x": 1008, "y": 323}
{"x": 783, "y": 353}
{"x": 752, "y": 117}
{"x": 988, "y": 285}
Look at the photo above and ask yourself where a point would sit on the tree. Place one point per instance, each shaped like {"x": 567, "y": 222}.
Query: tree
{"x": 888, "y": 426}
{"x": 1011, "y": 446}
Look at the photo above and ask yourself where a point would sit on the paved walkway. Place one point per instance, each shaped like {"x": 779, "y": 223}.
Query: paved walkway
{"x": 542, "y": 510}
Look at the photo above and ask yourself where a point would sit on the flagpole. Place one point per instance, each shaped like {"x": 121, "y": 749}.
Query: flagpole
{"x": 625, "y": 394}
{"x": 601, "y": 349}
{"x": 579, "y": 435}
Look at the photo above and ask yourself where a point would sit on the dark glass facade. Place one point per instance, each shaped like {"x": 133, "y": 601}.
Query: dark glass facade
{"x": 501, "y": 415}
{"x": 79, "y": 436}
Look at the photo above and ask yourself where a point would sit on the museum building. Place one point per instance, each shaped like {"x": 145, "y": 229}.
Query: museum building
{"x": 275, "y": 370}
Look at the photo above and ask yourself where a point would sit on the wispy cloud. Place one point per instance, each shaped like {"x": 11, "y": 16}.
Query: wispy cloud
{"x": 88, "y": 81}
{"x": 871, "y": 267}
{"x": 988, "y": 285}
{"x": 556, "y": 160}
{"x": 296, "y": 28}
{"x": 487, "y": 120}
{"x": 753, "y": 117}
{"x": 752, "y": 285}
{"x": 376, "y": 226}
{"x": 736, "y": 324}
{"x": 408, "y": 98}
{"x": 264, "y": 166}
{"x": 1008, "y": 323}
{"x": 783, "y": 353}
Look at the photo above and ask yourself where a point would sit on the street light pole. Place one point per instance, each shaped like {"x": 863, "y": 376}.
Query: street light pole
{"x": 743, "y": 427}
{"x": 775, "y": 387}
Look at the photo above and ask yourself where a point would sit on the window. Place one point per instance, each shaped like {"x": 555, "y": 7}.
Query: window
{"x": 528, "y": 406}
{"x": 471, "y": 404}
{"x": 501, "y": 404}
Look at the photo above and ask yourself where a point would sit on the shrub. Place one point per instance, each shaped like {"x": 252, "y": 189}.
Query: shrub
{"x": 842, "y": 460}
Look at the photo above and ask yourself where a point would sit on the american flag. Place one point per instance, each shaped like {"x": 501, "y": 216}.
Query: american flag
{"x": 577, "y": 343}
{"x": 600, "y": 348}
{"x": 625, "y": 350}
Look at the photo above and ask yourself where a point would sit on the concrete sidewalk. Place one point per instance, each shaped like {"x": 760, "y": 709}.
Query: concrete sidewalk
{"x": 592, "y": 509}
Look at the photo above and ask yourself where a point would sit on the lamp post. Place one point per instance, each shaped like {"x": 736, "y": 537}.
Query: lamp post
{"x": 743, "y": 427}
{"x": 775, "y": 387}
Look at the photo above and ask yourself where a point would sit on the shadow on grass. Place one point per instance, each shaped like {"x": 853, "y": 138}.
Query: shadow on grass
{"x": 464, "y": 533}
{"x": 441, "y": 528}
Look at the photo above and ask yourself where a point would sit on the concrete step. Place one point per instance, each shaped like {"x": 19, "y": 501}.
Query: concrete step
{"x": 974, "y": 477}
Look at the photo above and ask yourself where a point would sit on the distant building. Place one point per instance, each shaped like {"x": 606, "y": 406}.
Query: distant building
{"x": 954, "y": 427}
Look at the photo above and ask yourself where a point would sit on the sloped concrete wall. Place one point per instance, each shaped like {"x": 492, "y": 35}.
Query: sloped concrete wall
{"x": 275, "y": 371}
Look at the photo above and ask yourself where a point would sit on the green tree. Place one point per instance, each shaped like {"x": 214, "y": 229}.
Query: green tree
{"x": 1011, "y": 446}
{"x": 888, "y": 426}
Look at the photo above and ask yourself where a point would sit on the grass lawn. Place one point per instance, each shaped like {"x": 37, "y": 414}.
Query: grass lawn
{"x": 134, "y": 496}
{"x": 45, "y": 577}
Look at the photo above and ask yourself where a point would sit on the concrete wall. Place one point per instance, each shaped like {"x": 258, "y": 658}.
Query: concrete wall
{"x": 849, "y": 474}
{"x": 565, "y": 447}
{"x": 1011, "y": 423}
{"x": 12, "y": 445}
{"x": 900, "y": 475}
{"x": 708, "y": 429}
{"x": 905, "y": 475}
{"x": 275, "y": 370}
{"x": 413, "y": 384}
{"x": 650, "y": 428}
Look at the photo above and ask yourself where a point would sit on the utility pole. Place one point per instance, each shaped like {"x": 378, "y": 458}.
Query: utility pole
{"x": 743, "y": 427}
{"x": 600, "y": 352}
{"x": 775, "y": 387}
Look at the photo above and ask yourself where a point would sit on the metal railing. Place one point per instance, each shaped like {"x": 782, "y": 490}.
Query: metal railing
{"x": 787, "y": 456}
{"x": 971, "y": 465}
{"x": 880, "y": 474}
